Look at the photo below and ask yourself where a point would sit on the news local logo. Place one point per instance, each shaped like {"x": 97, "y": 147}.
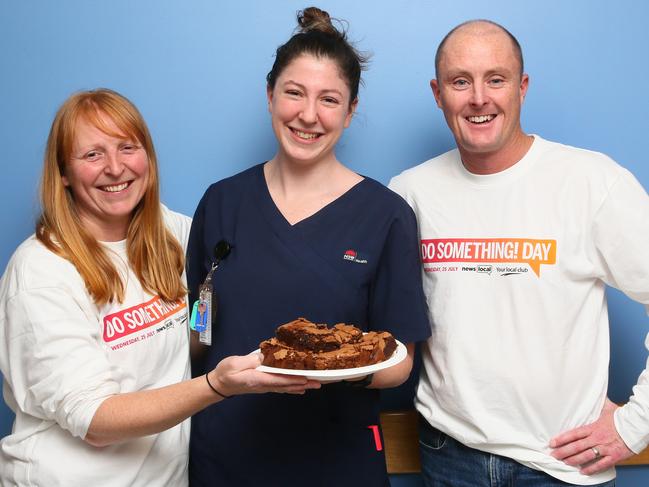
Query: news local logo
{"x": 353, "y": 256}
{"x": 506, "y": 251}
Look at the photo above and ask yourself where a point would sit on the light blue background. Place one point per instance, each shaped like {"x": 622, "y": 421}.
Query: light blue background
{"x": 196, "y": 69}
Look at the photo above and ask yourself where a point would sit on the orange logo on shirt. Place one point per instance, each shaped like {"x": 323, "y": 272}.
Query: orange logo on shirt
{"x": 503, "y": 250}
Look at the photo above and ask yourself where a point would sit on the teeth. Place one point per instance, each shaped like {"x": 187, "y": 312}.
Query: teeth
{"x": 304, "y": 135}
{"x": 481, "y": 118}
{"x": 116, "y": 188}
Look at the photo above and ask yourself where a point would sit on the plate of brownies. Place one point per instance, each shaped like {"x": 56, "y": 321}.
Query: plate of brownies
{"x": 318, "y": 352}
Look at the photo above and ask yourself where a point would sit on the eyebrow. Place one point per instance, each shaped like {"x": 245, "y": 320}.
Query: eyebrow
{"x": 302, "y": 87}
{"x": 490, "y": 72}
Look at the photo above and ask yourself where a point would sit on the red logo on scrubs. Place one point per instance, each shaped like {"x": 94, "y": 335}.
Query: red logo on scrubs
{"x": 353, "y": 256}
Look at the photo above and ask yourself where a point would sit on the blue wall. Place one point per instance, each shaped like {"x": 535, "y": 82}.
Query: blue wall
{"x": 196, "y": 70}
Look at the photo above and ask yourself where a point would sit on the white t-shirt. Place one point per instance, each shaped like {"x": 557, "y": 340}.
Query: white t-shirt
{"x": 61, "y": 356}
{"x": 514, "y": 268}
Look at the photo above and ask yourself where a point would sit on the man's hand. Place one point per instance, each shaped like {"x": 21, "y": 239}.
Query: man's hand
{"x": 594, "y": 447}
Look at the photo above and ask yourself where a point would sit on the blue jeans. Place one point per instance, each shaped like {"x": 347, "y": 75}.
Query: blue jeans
{"x": 446, "y": 462}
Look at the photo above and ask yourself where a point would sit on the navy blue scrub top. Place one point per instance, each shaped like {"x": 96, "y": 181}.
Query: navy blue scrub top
{"x": 355, "y": 261}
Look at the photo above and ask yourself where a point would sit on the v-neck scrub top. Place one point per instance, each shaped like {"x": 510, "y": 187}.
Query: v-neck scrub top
{"x": 354, "y": 261}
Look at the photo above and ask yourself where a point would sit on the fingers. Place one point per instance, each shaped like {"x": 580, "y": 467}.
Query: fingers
{"x": 274, "y": 380}
{"x": 600, "y": 465}
{"x": 594, "y": 447}
{"x": 238, "y": 375}
{"x": 570, "y": 436}
{"x": 290, "y": 388}
{"x": 611, "y": 454}
{"x": 585, "y": 456}
{"x": 297, "y": 389}
{"x": 570, "y": 448}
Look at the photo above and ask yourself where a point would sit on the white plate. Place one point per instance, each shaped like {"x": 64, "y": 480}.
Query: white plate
{"x": 339, "y": 374}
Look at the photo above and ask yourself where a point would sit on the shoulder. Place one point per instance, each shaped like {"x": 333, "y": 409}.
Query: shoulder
{"x": 582, "y": 162}
{"x": 419, "y": 176}
{"x": 384, "y": 204}
{"x": 32, "y": 254}
{"x": 35, "y": 266}
{"x": 222, "y": 199}
{"x": 177, "y": 223}
{"x": 234, "y": 185}
{"x": 383, "y": 196}
{"x": 576, "y": 171}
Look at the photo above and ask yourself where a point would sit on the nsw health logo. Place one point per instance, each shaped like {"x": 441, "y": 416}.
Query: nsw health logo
{"x": 354, "y": 256}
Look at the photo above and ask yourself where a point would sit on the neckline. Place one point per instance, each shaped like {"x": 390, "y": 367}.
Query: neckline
{"x": 506, "y": 175}
{"x": 269, "y": 203}
{"x": 119, "y": 246}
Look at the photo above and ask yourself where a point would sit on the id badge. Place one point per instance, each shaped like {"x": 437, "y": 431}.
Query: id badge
{"x": 204, "y": 324}
{"x": 202, "y": 310}
{"x": 201, "y": 317}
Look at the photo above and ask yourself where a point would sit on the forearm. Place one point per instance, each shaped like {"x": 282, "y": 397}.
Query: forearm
{"x": 142, "y": 413}
{"x": 396, "y": 375}
{"x": 632, "y": 420}
{"x": 130, "y": 415}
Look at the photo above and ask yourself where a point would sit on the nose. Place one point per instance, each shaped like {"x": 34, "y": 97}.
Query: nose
{"x": 309, "y": 112}
{"x": 112, "y": 163}
{"x": 478, "y": 95}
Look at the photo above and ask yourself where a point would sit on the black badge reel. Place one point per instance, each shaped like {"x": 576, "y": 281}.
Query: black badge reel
{"x": 201, "y": 318}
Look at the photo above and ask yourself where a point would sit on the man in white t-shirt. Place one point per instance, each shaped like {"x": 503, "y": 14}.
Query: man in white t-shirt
{"x": 519, "y": 237}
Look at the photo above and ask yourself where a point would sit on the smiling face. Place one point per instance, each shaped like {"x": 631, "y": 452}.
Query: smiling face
{"x": 310, "y": 107}
{"x": 107, "y": 174}
{"x": 481, "y": 91}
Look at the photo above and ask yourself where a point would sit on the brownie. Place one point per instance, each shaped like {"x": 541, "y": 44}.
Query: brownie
{"x": 302, "y": 334}
{"x": 303, "y": 345}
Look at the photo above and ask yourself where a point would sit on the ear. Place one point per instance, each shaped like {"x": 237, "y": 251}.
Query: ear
{"x": 65, "y": 181}
{"x": 434, "y": 85}
{"x": 525, "y": 82}
{"x": 350, "y": 114}
{"x": 269, "y": 97}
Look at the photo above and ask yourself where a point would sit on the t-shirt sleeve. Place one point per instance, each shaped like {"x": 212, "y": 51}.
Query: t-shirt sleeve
{"x": 621, "y": 236}
{"x": 397, "y": 302}
{"x": 178, "y": 224}
{"x": 53, "y": 362}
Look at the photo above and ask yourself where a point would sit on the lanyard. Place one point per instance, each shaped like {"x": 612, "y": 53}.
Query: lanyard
{"x": 201, "y": 317}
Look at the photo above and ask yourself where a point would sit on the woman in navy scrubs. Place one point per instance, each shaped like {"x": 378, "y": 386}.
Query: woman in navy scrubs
{"x": 309, "y": 238}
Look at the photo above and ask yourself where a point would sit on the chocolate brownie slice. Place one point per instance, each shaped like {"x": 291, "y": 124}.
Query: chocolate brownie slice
{"x": 302, "y": 334}
{"x": 352, "y": 347}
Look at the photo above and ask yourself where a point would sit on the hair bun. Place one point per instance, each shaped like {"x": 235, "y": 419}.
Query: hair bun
{"x": 313, "y": 19}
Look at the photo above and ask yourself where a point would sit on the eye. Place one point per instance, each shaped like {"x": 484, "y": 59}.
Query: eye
{"x": 92, "y": 156}
{"x": 330, "y": 100}
{"x": 496, "y": 82}
{"x": 293, "y": 92}
{"x": 460, "y": 84}
{"x": 129, "y": 148}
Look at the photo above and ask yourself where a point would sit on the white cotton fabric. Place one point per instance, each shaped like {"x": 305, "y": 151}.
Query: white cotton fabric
{"x": 61, "y": 356}
{"x": 516, "y": 357}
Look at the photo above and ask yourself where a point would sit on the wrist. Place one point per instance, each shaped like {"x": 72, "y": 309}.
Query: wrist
{"x": 215, "y": 384}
